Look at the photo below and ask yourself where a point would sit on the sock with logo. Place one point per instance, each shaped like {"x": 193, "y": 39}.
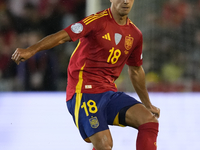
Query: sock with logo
{"x": 147, "y": 136}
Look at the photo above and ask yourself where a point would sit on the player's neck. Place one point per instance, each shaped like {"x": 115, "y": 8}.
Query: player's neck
{"x": 121, "y": 20}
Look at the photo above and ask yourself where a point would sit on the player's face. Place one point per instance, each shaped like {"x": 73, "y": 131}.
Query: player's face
{"x": 122, "y": 7}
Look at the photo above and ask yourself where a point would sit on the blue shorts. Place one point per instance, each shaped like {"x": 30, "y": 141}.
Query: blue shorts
{"x": 94, "y": 112}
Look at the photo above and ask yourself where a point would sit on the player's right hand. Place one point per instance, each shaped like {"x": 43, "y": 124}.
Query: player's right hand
{"x": 21, "y": 55}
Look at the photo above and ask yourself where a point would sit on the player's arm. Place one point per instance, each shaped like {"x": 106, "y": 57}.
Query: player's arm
{"x": 137, "y": 76}
{"x": 46, "y": 43}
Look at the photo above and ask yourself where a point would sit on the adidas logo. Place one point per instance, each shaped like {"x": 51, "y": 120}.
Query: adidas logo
{"x": 106, "y": 36}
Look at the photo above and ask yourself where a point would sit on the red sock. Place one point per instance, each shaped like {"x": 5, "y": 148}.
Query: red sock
{"x": 147, "y": 135}
{"x": 93, "y": 148}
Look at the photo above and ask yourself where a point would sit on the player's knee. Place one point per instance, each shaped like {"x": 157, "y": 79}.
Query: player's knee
{"x": 104, "y": 146}
{"x": 102, "y": 140}
{"x": 151, "y": 118}
{"x": 147, "y": 119}
{"x": 154, "y": 119}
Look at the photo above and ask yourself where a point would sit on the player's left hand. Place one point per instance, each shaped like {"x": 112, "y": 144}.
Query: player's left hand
{"x": 155, "y": 111}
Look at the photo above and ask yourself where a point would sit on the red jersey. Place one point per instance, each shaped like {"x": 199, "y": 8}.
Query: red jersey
{"x": 104, "y": 48}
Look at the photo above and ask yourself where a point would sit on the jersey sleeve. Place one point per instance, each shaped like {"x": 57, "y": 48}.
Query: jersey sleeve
{"x": 80, "y": 29}
{"x": 135, "y": 59}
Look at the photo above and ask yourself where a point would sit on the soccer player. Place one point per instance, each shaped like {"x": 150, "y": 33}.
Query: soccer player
{"x": 107, "y": 41}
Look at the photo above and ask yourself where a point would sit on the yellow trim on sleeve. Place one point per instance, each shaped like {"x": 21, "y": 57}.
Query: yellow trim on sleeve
{"x": 88, "y": 18}
{"x": 94, "y": 17}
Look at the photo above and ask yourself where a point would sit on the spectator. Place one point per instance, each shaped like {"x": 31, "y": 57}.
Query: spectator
{"x": 174, "y": 12}
{"x": 7, "y": 42}
{"x": 188, "y": 29}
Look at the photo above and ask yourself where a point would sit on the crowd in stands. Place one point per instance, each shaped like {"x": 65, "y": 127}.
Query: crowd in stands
{"x": 174, "y": 48}
{"x": 23, "y": 23}
{"x": 173, "y": 52}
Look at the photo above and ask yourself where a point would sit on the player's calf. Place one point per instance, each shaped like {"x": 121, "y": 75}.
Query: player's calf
{"x": 147, "y": 136}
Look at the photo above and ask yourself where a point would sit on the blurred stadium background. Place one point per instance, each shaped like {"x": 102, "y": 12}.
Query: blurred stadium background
{"x": 171, "y": 52}
{"x": 171, "y": 30}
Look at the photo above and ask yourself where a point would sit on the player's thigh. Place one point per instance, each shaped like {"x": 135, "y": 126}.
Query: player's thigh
{"x": 117, "y": 107}
{"x": 102, "y": 140}
{"x": 137, "y": 115}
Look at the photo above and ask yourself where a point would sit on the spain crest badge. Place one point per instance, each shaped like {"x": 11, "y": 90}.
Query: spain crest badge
{"x": 94, "y": 122}
{"x": 128, "y": 42}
